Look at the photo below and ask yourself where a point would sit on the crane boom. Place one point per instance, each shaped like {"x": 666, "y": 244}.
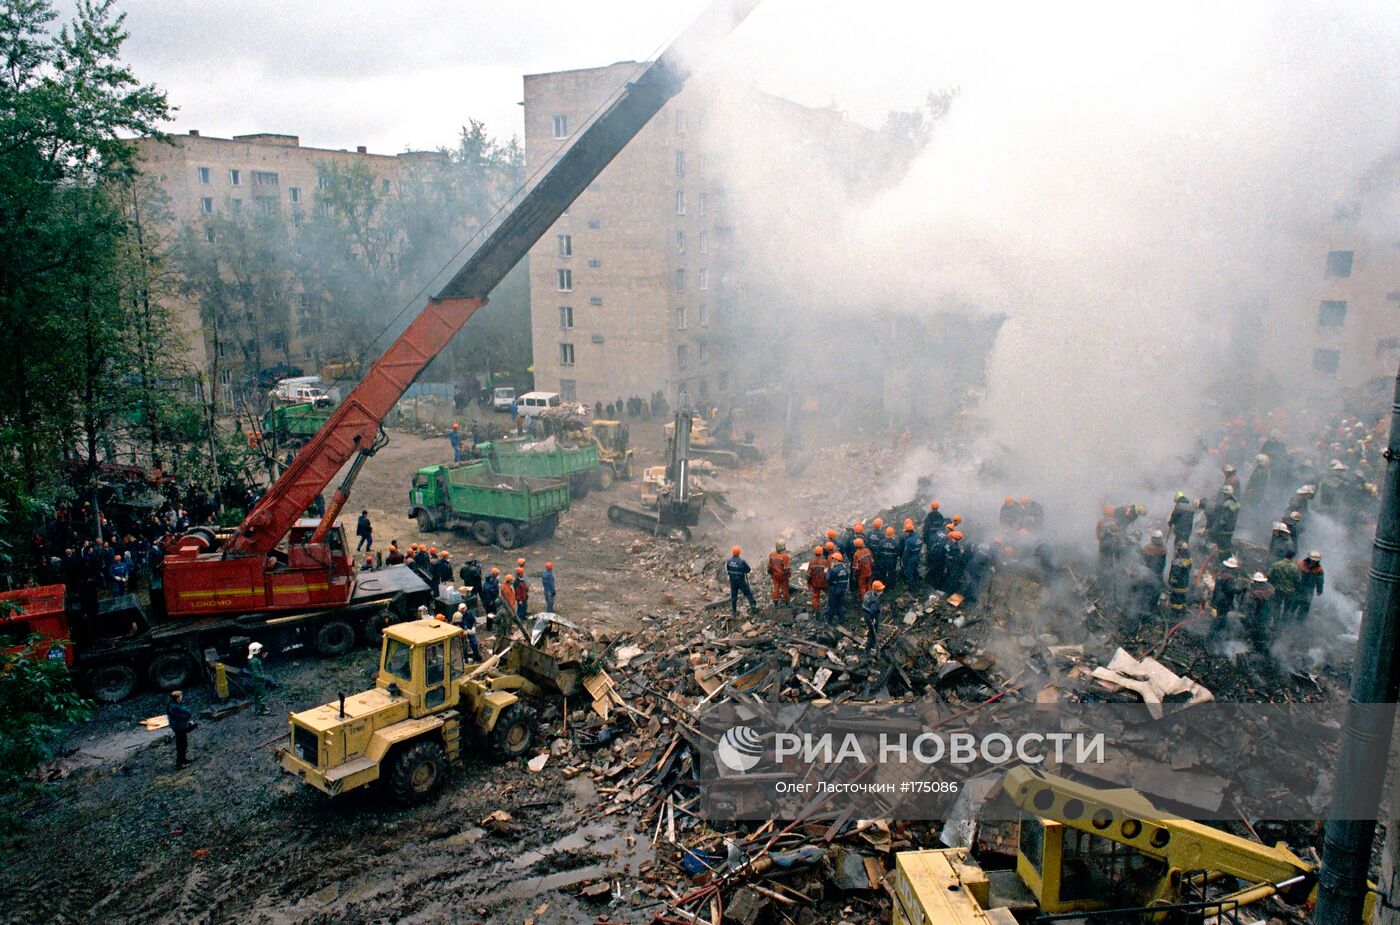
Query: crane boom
{"x": 354, "y": 426}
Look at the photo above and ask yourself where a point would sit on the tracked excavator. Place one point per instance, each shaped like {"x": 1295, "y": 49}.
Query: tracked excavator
{"x": 671, "y": 502}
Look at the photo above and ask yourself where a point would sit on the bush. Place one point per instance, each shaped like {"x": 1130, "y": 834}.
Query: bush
{"x": 37, "y": 699}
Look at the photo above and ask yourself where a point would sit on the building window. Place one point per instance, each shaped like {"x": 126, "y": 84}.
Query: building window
{"x": 209, "y": 236}
{"x": 680, "y": 281}
{"x": 704, "y": 316}
{"x": 1393, "y": 297}
{"x": 680, "y": 163}
{"x": 225, "y": 377}
{"x": 704, "y": 383}
{"x": 264, "y": 178}
{"x": 594, "y": 224}
{"x": 704, "y": 242}
{"x": 700, "y": 352}
{"x": 704, "y": 165}
{"x": 267, "y": 204}
{"x": 568, "y": 390}
{"x": 206, "y": 205}
{"x": 595, "y": 300}
{"x": 566, "y": 245}
{"x": 680, "y": 202}
{"x": 566, "y": 316}
{"x": 682, "y": 356}
{"x": 1331, "y": 314}
{"x": 680, "y": 318}
{"x": 566, "y": 280}
{"x": 680, "y": 241}
{"x": 236, "y": 205}
{"x": 323, "y": 182}
{"x": 680, "y": 121}
{"x": 566, "y": 354}
{"x": 294, "y": 193}
{"x": 204, "y": 176}
{"x": 1339, "y": 263}
{"x": 595, "y": 264}
{"x": 384, "y": 186}
{"x": 235, "y": 177}
{"x": 296, "y": 219}
{"x": 1327, "y": 360}
{"x": 704, "y": 278}
{"x": 561, "y": 126}
{"x": 704, "y": 204}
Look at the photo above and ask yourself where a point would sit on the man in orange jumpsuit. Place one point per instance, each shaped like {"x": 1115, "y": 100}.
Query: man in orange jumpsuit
{"x": 780, "y": 573}
{"x": 816, "y": 577}
{"x": 864, "y": 567}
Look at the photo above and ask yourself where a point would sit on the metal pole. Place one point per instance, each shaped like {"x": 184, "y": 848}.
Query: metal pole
{"x": 1366, "y": 735}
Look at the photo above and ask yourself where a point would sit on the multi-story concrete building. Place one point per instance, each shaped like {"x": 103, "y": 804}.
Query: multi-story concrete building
{"x": 205, "y": 177}
{"x": 1353, "y": 330}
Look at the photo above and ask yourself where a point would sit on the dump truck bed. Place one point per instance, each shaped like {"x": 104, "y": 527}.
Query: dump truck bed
{"x": 542, "y": 458}
{"x": 478, "y": 489}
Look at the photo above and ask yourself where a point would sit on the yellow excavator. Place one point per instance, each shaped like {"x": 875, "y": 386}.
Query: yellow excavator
{"x": 1087, "y": 852}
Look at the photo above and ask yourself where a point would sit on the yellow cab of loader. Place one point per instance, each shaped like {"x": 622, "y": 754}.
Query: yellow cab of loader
{"x": 407, "y": 729}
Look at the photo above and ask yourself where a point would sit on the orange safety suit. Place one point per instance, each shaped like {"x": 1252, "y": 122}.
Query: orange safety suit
{"x": 816, "y": 580}
{"x": 780, "y": 572}
{"x": 865, "y": 568}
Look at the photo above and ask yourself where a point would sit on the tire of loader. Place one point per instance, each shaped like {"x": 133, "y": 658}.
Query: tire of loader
{"x": 579, "y": 486}
{"x": 614, "y": 514}
{"x": 372, "y": 629}
{"x": 507, "y": 535}
{"x": 417, "y": 770}
{"x": 514, "y": 732}
{"x": 112, "y": 683}
{"x": 332, "y": 638}
{"x": 169, "y": 671}
{"x": 426, "y": 523}
{"x": 484, "y": 532}
{"x": 605, "y": 478}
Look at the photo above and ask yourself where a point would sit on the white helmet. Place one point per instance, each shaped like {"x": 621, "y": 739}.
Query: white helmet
{"x": 254, "y": 648}
{"x": 461, "y": 608}
{"x": 1259, "y": 576}
{"x": 1231, "y": 562}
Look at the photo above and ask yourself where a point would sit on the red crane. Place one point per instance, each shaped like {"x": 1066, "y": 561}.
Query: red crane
{"x": 253, "y": 571}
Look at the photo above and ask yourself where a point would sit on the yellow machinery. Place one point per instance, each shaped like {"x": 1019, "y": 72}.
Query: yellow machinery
{"x": 407, "y": 729}
{"x": 571, "y": 423}
{"x": 1082, "y": 849}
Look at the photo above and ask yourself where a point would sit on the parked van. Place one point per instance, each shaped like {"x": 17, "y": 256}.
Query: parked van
{"x": 532, "y": 403}
{"x": 502, "y": 398}
{"x": 301, "y": 390}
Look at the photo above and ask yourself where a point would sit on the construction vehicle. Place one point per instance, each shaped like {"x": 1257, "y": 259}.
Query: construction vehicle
{"x": 1098, "y": 853}
{"x": 671, "y": 501}
{"x": 407, "y": 730}
{"x": 301, "y": 390}
{"x": 292, "y": 426}
{"x": 340, "y": 368}
{"x": 716, "y": 441}
{"x": 572, "y": 424}
{"x": 280, "y": 576}
{"x": 508, "y": 510}
{"x": 549, "y": 458}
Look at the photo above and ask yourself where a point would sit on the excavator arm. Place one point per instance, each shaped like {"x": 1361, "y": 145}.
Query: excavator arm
{"x": 352, "y": 430}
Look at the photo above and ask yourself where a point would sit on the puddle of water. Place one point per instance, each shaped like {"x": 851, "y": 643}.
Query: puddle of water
{"x": 599, "y": 838}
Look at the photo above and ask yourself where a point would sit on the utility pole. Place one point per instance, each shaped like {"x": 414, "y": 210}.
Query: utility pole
{"x": 1366, "y": 734}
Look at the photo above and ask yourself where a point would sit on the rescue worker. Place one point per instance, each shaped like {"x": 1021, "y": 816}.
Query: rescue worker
{"x": 1258, "y": 483}
{"x": 1232, "y": 477}
{"x": 441, "y": 572}
{"x": 977, "y": 570}
{"x": 953, "y": 562}
{"x": 522, "y": 594}
{"x": 470, "y": 572}
{"x": 507, "y": 604}
{"x": 1155, "y": 554}
{"x": 846, "y": 542}
{"x": 395, "y": 556}
{"x": 1258, "y": 607}
{"x": 181, "y": 722}
{"x": 1295, "y": 527}
{"x": 780, "y": 573}
{"x": 258, "y": 679}
{"x": 454, "y": 437}
{"x": 887, "y": 557}
{"x": 1110, "y": 539}
{"x": 1183, "y": 517}
{"x": 1179, "y": 582}
{"x": 1310, "y": 583}
{"x": 933, "y": 522}
{"x": 870, "y": 613}
{"x": 547, "y": 584}
{"x": 491, "y": 590}
{"x": 1033, "y": 514}
{"x": 738, "y": 571}
{"x": 1281, "y": 542}
{"x": 466, "y": 619}
{"x": 816, "y": 577}
{"x": 121, "y": 574}
{"x": 1224, "y": 598}
{"x": 422, "y": 560}
{"x": 838, "y": 579}
{"x": 1224, "y": 519}
{"x": 368, "y": 564}
{"x": 365, "y": 531}
{"x": 1011, "y": 514}
{"x": 864, "y": 568}
{"x": 936, "y": 560}
{"x": 910, "y": 554}
{"x": 1287, "y": 581}
{"x": 1127, "y": 514}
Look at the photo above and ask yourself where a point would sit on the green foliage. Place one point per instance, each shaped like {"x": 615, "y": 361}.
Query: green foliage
{"x": 39, "y": 700}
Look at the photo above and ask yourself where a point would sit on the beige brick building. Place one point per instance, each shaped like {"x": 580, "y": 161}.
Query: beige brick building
{"x": 627, "y": 289}
{"x": 1353, "y": 329}
{"x": 205, "y": 177}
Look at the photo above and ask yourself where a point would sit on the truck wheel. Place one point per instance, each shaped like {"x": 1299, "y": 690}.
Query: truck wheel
{"x": 112, "y": 683}
{"x": 579, "y": 487}
{"x": 605, "y": 478}
{"x": 514, "y": 731}
{"x": 484, "y": 532}
{"x": 614, "y": 514}
{"x": 332, "y": 638}
{"x": 550, "y": 525}
{"x": 426, "y": 524}
{"x": 169, "y": 671}
{"x": 417, "y": 771}
{"x": 372, "y": 630}
{"x": 507, "y": 535}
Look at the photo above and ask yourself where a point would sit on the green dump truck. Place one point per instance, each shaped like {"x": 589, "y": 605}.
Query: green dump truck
{"x": 493, "y": 507}
{"x": 294, "y": 425}
{"x": 548, "y": 458}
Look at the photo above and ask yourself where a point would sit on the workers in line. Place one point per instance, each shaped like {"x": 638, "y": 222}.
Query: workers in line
{"x": 863, "y": 566}
{"x": 491, "y": 590}
{"x": 780, "y": 573}
{"x": 522, "y": 594}
{"x": 911, "y": 553}
{"x": 738, "y": 571}
{"x": 816, "y": 577}
{"x": 838, "y": 578}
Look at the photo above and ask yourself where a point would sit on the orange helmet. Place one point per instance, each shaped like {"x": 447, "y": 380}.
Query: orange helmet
{"x": 549, "y": 566}
{"x": 877, "y": 523}
{"x": 1108, "y": 509}
{"x": 933, "y": 505}
{"x": 860, "y": 543}
{"x": 816, "y": 550}
{"x": 908, "y": 525}
{"x": 955, "y": 535}
{"x": 510, "y": 578}
{"x": 735, "y": 551}
{"x": 878, "y": 586}
{"x": 438, "y": 616}
{"x": 520, "y": 562}
{"x": 1008, "y": 500}
{"x": 829, "y": 546}
{"x": 889, "y": 531}
{"x": 837, "y": 557}
{"x": 432, "y": 550}
{"x": 495, "y": 571}
{"x": 1025, "y": 499}
{"x": 957, "y": 519}
{"x": 858, "y": 527}
{"x": 831, "y": 534}
{"x": 456, "y": 426}
{"x": 520, "y": 571}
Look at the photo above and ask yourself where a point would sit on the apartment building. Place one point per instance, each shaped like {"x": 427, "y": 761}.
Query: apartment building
{"x": 1353, "y": 330}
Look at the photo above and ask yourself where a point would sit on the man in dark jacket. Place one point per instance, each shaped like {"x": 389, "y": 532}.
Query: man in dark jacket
{"x": 910, "y": 554}
{"x": 491, "y": 590}
{"x": 1154, "y": 555}
{"x": 1183, "y": 517}
{"x": 838, "y": 579}
{"x": 1310, "y": 584}
{"x": 738, "y": 571}
{"x": 870, "y": 613}
{"x": 441, "y": 573}
{"x": 933, "y": 523}
{"x": 953, "y": 563}
{"x": 365, "y": 531}
{"x": 1226, "y": 595}
{"x": 181, "y": 722}
{"x": 470, "y": 572}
